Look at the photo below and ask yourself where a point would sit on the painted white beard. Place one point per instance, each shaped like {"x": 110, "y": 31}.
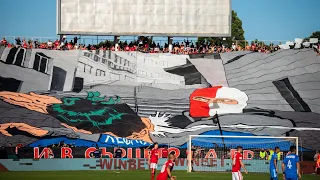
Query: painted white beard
{"x": 231, "y": 93}
{"x": 226, "y": 108}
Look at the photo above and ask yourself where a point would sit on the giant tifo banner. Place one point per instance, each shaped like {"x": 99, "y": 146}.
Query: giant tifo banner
{"x": 132, "y": 99}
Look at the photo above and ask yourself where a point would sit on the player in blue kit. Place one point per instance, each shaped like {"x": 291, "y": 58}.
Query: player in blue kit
{"x": 291, "y": 165}
{"x": 273, "y": 164}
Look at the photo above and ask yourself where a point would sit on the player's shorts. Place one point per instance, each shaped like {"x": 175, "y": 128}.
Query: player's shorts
{"x": 292, "y": 178}
{"x": 153, "y": 166}
{"x": 237, "y": 176}
{"x": 161, "y": 178}
{"x": 273, "y": 174}
{"x": 318, "y": 165}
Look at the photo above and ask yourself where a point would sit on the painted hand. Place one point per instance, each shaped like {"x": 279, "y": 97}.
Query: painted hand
{"x": 22, "y": 127}
{"x": 159, "y": 122}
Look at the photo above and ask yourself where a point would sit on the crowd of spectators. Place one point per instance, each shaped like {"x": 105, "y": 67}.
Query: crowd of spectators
{"x": 63, "y": 144}
{"x": 185, "y": 47}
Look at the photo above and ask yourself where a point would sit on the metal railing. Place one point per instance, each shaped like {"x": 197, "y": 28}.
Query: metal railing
{"x": 260, "y": 42}
{"x": 93, "y": 40}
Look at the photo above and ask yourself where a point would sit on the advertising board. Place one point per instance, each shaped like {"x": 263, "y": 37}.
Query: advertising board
{"x": 145, "y": 17}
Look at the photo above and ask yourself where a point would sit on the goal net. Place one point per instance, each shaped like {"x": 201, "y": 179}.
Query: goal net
{"x": 212, "y": 153}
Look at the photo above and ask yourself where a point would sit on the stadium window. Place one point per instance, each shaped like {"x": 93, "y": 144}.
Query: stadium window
{"x": 96, "y": 58}
{"x": 109, "y": 54}
{"x": 292, "y": 97}
{"x": 36, "y": 62}
{"x": 87, "y": 54}
{"x": 100, "y": 73}
{"x": 81, "y": 66}
{"x": 87, "y": 68}
{"x": 20, "y": 57}
{"x": 41, "y": 62}
{"x": 43, "y": 65}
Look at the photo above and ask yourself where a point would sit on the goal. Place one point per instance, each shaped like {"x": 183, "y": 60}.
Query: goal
{"x": 212, "y": 153}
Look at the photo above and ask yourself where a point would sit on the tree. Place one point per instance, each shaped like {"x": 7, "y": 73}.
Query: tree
{"x": 145, "y": 39}
{"x": 259, "y": 43}
{"x": 315, "y": 35}
{"x": 237, "y": 33}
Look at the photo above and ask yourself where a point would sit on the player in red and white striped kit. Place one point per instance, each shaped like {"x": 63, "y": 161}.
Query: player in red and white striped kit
{"x": 237, "y": 164}
{"x": 167, "y": 168}
{"x": 153, "y": 160}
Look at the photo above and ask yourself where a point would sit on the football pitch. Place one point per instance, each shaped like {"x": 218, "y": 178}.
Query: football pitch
{"x": 128, "y": 175}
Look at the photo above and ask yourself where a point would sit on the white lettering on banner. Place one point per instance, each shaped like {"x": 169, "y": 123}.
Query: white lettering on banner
{"x": 141, "y": 142}
{"x": 124, "y": 141}
{"x": 109, "y": 137}
{"x": 118, "y": 141}
{"x": 127, "y": 141}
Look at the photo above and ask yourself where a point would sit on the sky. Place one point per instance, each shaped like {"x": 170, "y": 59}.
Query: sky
{"x": 262, "y": 19}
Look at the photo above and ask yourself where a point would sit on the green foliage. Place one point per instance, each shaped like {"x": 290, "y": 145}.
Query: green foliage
{"x": 315, "y": 35}
{"x": 145, "y": 39}
{"x": 237, "y": 33}
{"x": 259, "y": 43}
{"x": 106, "y": 43}
{"x": 65, "y": 110}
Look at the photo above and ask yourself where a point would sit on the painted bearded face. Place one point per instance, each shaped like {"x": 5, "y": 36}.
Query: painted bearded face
{"x": 217, "y": 100}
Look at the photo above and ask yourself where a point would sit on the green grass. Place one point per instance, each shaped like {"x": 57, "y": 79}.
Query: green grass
{"x": 127, "y": 175}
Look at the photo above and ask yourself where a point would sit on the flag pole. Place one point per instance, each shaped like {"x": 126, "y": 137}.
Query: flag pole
{"x": 224, "y": 145}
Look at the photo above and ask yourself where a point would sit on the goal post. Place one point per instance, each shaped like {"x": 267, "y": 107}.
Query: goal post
{"x": 212, "y": 153}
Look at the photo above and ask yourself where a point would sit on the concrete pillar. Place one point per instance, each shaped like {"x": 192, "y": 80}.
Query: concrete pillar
{"x": 170, "y": 40}
{"x": 151, "y": 39}
{"x": 61, "y": 37}
{"x": 116, "y": 42}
